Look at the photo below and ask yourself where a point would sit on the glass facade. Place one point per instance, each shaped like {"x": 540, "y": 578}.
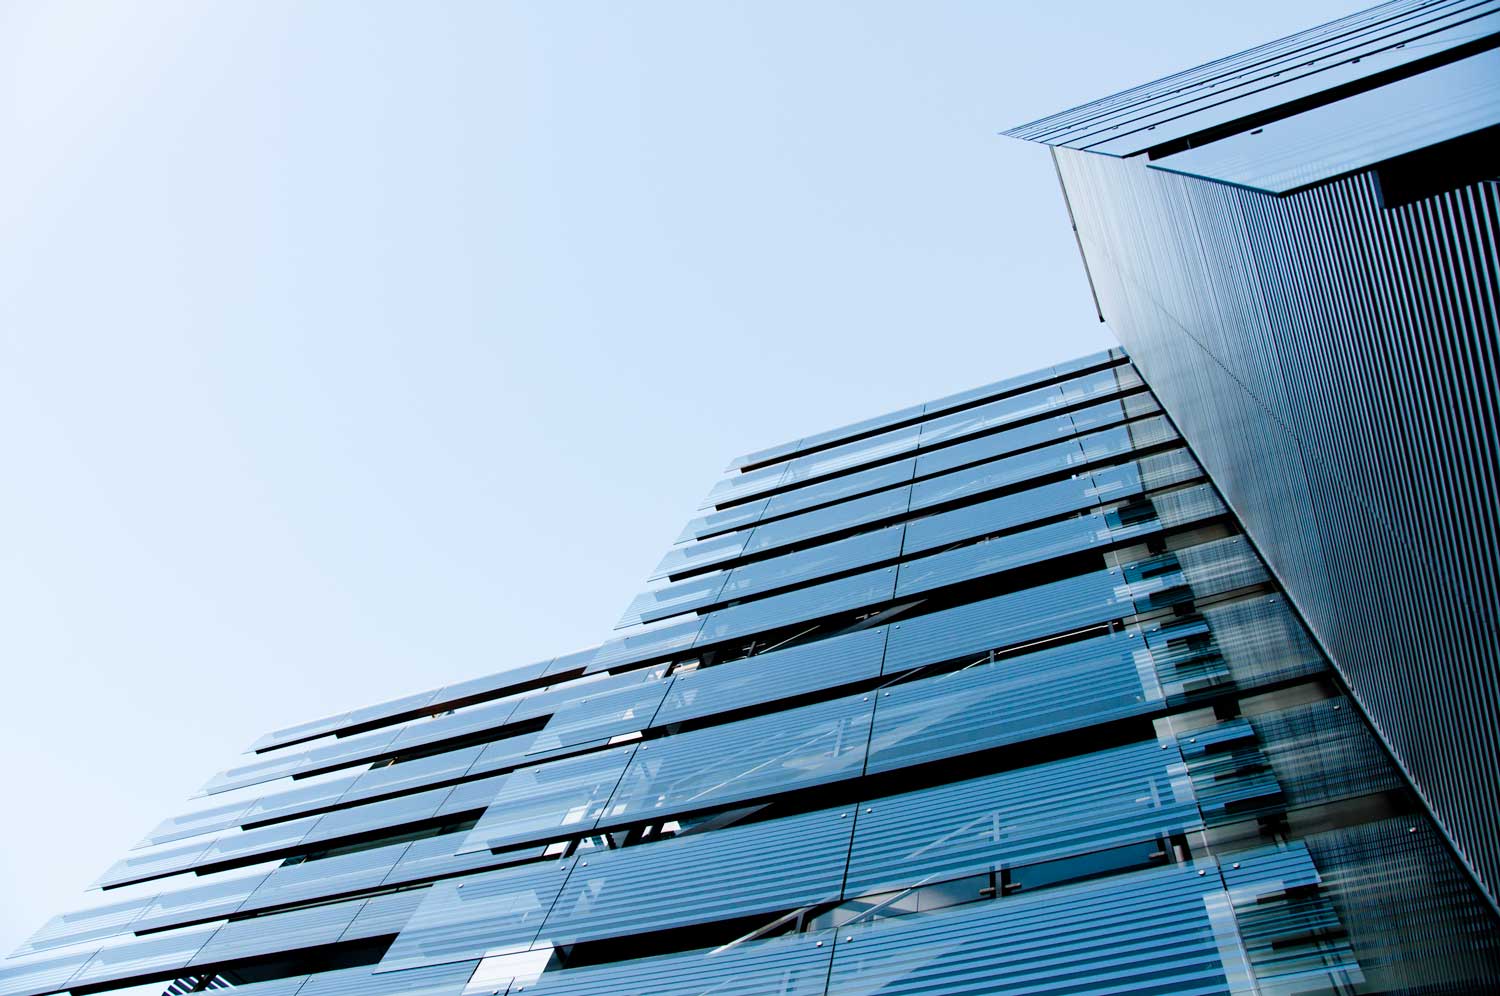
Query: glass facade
{"x": 989, "y": 695}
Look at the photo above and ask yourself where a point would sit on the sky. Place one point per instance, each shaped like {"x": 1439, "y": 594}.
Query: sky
{"x": 352, "y": 348}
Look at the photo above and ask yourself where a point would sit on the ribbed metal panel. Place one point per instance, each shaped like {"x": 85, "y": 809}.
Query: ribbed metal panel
{"x": 1334, "y": 364}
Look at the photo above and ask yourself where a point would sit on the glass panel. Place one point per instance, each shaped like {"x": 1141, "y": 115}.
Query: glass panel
{"x": 658, "y": 642}
{"x": 1146, "y": 932}
{"x": 378, "y": 815}
{"x": 598, "y": 717}
{"x": 997, "y": 474}
{"x": 990, "y": 704}
{"x": 557, "y": 697}
{"x": 1007, "y": 441}
{"x": 779, "y": 674}
{"x": 279, "y": 932}
{"x": 474, "y": 719}
{"x": 384, "y": 915}
{"x": 1253, "y": 641}
{"x": 550, "y": 800}
{"x": 331, "y": 755}
{"x": 887, "y": 475}
{"x": 742, "y": 485}
{"x": 804, "y": 565}
{"x": 690, "y": 556}
{"x": 761, "y": 756}
{"x": 104, "y": 920}
{"x": 463, "y": 919}
{"x": 153, "y": 862}
{"x": 869, "y": 588}
{"x": 1036, "y": 814}
{"x": 1127, "y": 438}
{"x": 152, "y": 954}
{"x": 307, "y": 730}
{"x": 1001, "y": 553}
{"x": 503, "y": 754}
{"x": 846, "y": 455}
{"x": 200, "y": 821}
{"x": 733, "y": 517}
{"x": 217, "y": 897}
{"x": 672, "y": 600}
{"x": 471, "y": 797}
{"x": 411, "y": 774}
{"x": 332, "y": 876}
{"x": 298, "y": 799}
{"x": 243, "y": 843}
{"x": 1211, "y": 568}
{"x": 992, "y": 415}
{"x": 779, "y": 452}
{"x": 845, "y": 515}
{"x": 494, "y": 684}
{"x": 1006, "y": 512}
{"x": 698, "y": 878}
{"x": 1097, "y": 529}
{"x": 855, "y": 428}
{"x": 434, "y": 980}
{"x": 436, "y": 856}
{"x": 1006, "y": 620}
{"x": 395, "y": 707}
{"x": 39, "y": 975}
{"x": 795, "y": 965}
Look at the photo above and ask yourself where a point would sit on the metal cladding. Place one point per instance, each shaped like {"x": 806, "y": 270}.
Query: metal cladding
{"x": 990, "y": 695}
{"x": 1331, "y": 353}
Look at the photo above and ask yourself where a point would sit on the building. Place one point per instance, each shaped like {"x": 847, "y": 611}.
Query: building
{"x": 989, "y": 694}
{"x": 1298, "y": 246}
{"x": 992, "y": 694}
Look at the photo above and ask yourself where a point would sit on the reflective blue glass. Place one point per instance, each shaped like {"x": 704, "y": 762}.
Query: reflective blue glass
{"x": 779, "y": 674}
{"x": 465, "y": 918}
{"x": 601, "y": 715}
{"x": 549, "y": 800}
{"x": 728, "y": 873}
{"x": 1011, "y": 699}
{"x": 671, "y": 600}
{"x": 1070, "y": 807}
{"x": 794, "y": 965}
{"x": 841, "y": 488}
{"x": 1006, "y": 620}
{"x": 1147, "y": 932}
{"x": 852, "y": 454}
{"x": 741, "y": 760}
{"x": 873, "y": 547}
{"x": 997, "y": 474}
{"x": 845, "y": 515}
{"x": 868, "y": 588}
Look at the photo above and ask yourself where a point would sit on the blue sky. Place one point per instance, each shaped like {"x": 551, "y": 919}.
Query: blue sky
{"x": 353, "y": 348}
